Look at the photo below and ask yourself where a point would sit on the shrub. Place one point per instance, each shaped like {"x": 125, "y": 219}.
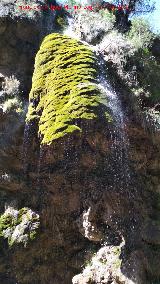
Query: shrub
{"x": 12, "y": 104}
{"x": 19, "y": 226}
{"x": 116, "y": 48}
{"x": 140, "y": 34}
{"x": 10, "y": 99}
{"x": 92, "y": 26}
{"x": 148, "y": 73}
{"x": 11, "y": 86}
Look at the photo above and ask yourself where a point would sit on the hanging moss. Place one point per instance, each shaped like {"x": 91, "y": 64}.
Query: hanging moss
{"x": 64, "y": 88}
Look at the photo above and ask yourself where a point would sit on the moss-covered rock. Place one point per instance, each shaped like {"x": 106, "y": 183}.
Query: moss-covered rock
{"x": 19, "y": 226}
{"x": 103, "y": 267}
{"x": 64, "y": 90}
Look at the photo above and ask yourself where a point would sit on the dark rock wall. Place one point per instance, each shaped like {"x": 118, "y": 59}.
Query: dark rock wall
{"x": 21, "y": 32}
{"x": 71, "y": 185}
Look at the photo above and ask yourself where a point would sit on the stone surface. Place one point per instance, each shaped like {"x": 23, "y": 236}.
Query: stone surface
{"x": 86, "y": 215}
{"x": 21, "y": 32}
{"x": 104, "y": 267}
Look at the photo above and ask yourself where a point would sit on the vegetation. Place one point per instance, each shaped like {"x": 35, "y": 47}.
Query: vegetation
{"x": 129, "y": 53}
{"x": 146, "y": 84}
{"x": 19, "y": 226}
{"x": 140, "y": 34}
{"x": 61, "y": 21}
{"x": 10, "y": 95}
{"x": 64, "y": 89}
{"x": 138, "y": 6}
{"x": 93, "y": 26}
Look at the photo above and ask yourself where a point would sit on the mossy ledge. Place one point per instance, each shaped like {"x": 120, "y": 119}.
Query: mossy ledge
{"x": 64, "y": 88}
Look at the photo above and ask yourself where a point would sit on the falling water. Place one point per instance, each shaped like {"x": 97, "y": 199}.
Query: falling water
{"x": 120, "y": 142}
{"x": 118, "y": 166}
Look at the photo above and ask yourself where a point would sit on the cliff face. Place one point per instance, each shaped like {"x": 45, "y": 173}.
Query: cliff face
{"x": 21, "y": 32}
{"x": 65, "y": 146}
{"x": 96, "y": 193}
{"x": 20, "y": 35}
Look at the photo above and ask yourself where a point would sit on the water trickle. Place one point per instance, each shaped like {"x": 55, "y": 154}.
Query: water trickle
{"x": 120, "y": 142}
{"x": 119, "y": 166}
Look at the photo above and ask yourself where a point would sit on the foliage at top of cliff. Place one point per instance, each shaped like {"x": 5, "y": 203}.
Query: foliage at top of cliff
{"x": 130, "y": 54}
{"x": 64, "y": 91}
{"x": 12, "y": 9}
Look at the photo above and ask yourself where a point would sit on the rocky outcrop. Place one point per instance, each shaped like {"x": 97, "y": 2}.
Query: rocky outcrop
{"x": 21, "y": 31}
{"x": 51, "y": 97}
{"x": 104, "y": 267}
{"x": 64, "y": 88}
{"x": 69, "y": 168}
{"x": 94, "y": 222}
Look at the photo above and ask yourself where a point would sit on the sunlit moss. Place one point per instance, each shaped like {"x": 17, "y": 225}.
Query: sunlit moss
{"x": 64, "y": 88}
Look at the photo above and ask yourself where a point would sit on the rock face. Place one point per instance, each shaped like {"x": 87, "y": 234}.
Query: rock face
{"x": 104, "y": 267}
{"x": 21, "y": 32}
{"x": 89, "y": 219}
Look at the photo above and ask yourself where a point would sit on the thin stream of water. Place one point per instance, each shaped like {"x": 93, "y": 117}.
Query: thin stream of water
{"x": 119, "y": 167}
{"x": 120, "y": 143}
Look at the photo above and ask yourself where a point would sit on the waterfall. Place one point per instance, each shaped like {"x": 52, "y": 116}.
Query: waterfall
{"x": 120, "y": 164}
{"x": 120, "y": 143}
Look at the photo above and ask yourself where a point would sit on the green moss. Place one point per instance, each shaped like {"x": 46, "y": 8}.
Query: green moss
{"x": 64, "y": 89}
{"x": 24, "y": 222}
{"x": 33, "y": 235}
{"x": 5, "y": 222}
{"x": 20, "y": 214}
{"x": 117, "y": 251}
{"x": 118, "y": 261}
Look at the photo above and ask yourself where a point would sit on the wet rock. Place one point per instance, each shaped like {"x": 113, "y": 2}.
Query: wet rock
{"x": 88, "y": 228}
{"x": 70, "y": 179}
{"x": 151, "y": 233}
{"x": 103, "y": 267}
